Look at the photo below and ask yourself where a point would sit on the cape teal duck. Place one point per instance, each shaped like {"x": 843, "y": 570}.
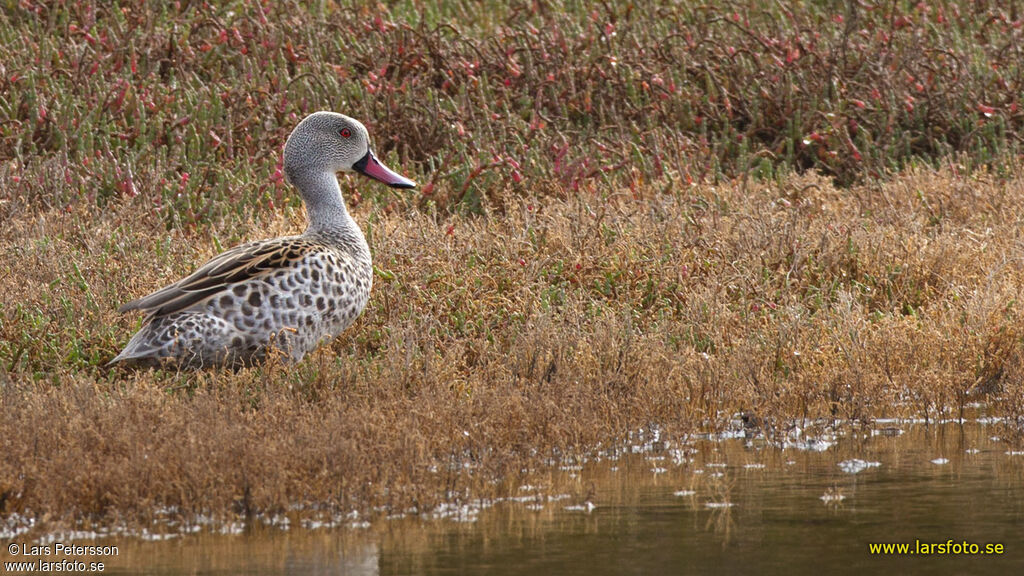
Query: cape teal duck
{"x": 289, "y": 293}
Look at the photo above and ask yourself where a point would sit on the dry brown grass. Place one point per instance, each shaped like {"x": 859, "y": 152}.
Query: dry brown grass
{"x": 495, "y": 342}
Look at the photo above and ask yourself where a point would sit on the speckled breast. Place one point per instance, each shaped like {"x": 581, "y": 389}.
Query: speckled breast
{"x": 295, "y": 308}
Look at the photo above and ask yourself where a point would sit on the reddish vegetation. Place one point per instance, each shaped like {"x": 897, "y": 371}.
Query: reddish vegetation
{"x": 543, "y": 96}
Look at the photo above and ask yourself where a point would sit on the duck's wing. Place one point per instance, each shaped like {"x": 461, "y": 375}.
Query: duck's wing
{"x": 236, "y": 265}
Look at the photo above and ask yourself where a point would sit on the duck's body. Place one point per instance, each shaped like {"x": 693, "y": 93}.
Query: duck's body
{"x": 287, "y": 293}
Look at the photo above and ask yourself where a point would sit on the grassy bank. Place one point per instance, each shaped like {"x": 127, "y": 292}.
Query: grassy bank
{"x": 493, "y": 343}
{"x": 615, "y": 229}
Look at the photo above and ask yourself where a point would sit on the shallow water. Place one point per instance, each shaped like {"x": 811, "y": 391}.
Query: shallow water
{"x": 711, "y": 505}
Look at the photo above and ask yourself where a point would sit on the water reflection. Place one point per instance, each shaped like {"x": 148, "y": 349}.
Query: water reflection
{"x": 711, "y": 505}
{"x": 267, "y": 551}
{"x": 735, "y": 506}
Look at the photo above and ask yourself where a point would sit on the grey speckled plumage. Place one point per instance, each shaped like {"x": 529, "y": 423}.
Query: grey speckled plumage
{"x": 287, "y": 293}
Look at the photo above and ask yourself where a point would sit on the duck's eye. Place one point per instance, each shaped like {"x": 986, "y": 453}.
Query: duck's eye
{"x": 345, "y": 132}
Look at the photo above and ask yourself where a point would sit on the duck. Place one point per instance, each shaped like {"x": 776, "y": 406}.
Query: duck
{"x": 287, "y": 294}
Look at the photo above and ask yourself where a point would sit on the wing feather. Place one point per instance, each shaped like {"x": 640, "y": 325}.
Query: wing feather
{"x": 236, "y": 265}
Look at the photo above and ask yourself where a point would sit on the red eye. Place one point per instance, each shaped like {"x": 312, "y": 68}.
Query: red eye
{"x": 345, "y": 132}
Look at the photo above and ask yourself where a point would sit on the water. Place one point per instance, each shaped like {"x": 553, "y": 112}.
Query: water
{"x": 710, "y": 506}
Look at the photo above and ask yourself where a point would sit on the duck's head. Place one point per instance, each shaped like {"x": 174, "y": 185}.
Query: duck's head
{"x": 328, "y": 141}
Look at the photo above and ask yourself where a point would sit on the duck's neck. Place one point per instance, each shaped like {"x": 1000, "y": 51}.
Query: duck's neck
{"x": 329, "y": 219}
